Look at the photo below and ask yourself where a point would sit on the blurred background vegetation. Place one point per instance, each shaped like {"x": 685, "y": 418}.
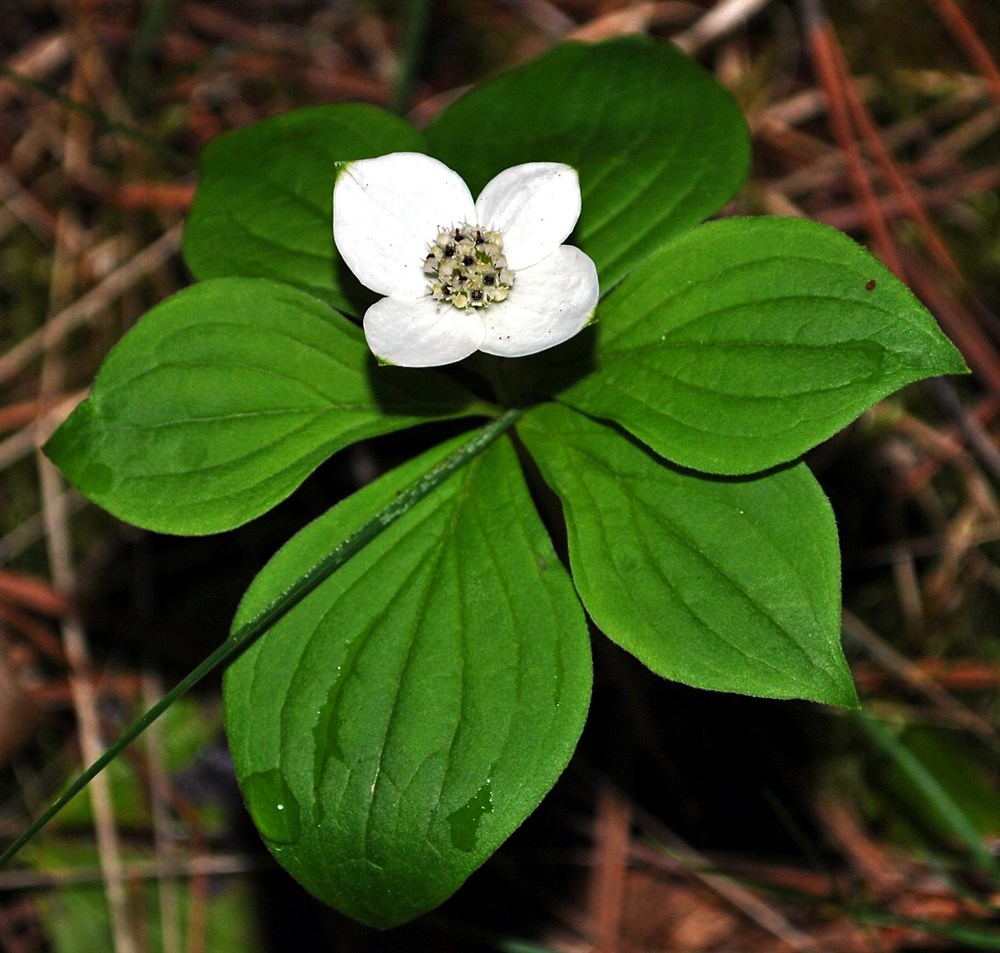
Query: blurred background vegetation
{"x": 688, "y": 821}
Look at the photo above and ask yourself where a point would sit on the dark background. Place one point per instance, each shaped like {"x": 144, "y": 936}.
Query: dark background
{"x": 688, "y": 820}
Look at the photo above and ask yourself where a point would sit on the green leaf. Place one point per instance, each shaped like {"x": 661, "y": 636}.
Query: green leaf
{"x": 725, "y": 584}
{"x": 224, "y": 398}
{"x": 658, "y": 143}
{"x": 401, "y": 721}
{"x": 745, "y": 342}
{"x": 264, "y": 199}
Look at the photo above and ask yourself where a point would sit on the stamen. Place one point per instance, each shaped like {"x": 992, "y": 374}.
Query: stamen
{"x": 466, "y": 267}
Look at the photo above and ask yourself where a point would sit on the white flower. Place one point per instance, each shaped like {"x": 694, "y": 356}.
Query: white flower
{"x": 462, "y": 275}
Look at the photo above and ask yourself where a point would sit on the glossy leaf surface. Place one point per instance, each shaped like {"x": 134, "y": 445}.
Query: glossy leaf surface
{"x": 224, "y": 398}
{"x": 731, "y": 585}
{"x": 745, "y": 342}
{"x": 658, "y": 143}
{"x": 400, "y": 722}
{"x": 264, "y": 199}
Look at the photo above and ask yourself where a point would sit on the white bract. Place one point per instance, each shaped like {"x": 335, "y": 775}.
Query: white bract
{"x": 460, "y": 275}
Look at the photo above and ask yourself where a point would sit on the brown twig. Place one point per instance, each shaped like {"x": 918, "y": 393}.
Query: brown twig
{"x": 58, "y": 539}
{"x": 725, "y": 17}
{"x": 822, "y": 44}
{"x": 612, "y": 823}
{"x": 919, "y": 680}
{"x": 88, "y": 305}
{"x": 958, "y": 23}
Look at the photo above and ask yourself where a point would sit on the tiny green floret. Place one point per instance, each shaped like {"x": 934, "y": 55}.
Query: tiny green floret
{"x": 466, "y": 267}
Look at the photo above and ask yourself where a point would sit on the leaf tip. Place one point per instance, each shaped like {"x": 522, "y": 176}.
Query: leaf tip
{"x": 341, "y": 166}
{"x": 71, "y": 450}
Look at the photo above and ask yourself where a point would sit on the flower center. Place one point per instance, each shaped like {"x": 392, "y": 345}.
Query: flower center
{"x": 466, "y": 267}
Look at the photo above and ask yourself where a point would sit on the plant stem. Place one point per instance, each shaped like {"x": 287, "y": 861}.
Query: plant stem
{"x": 100, "y": 119}
{"x": 416, "y": 27}
{"x": 152, "y": 26}
{"x": 260, "y": 623}
{"x": 933, "y": 792}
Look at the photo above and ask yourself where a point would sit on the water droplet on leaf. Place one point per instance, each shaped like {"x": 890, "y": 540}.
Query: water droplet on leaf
{"x": 464, "y": 822}
{"x": 326, "y": 731}
{"x": 273, "y": 807}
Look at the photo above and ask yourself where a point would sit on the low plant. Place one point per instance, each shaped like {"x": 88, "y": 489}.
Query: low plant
{"x": 414, "y": 667}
